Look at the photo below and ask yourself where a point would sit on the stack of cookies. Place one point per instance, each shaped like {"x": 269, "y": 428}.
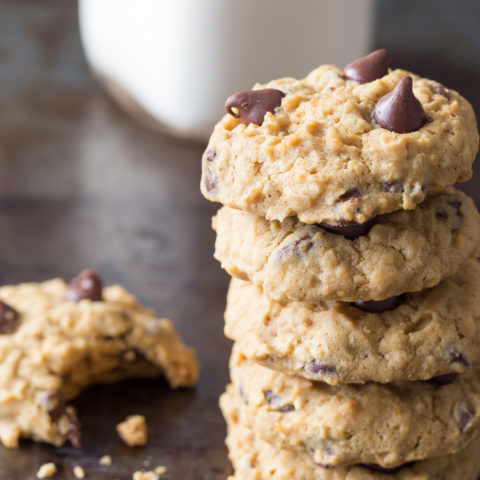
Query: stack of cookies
{"x": 355, "y": 303}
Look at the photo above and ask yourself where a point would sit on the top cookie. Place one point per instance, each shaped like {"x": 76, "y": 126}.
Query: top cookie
{"x": 320, "y": 152}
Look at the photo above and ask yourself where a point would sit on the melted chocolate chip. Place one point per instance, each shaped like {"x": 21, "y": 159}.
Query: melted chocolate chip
{"x": 348, "y": 229}
{"x": 354, "y": 195}
{"x": 465, "y": 416}
{"x": 322, "y": 368}
{"x": 210, "y": 182}
{"x": 457, "y": 357}
{"x": 211, "y": 155}
{"x": 379, "y": 306}
{"x": 400, "y": 111}
{"x": 443, "y": 379}
{"x": 441, "y": 90}
{"x": 379, "y": 468}
{"x": 369, "y": 68}
{"x": 252, "y": 105}
{"x": 9, "y": 318}
{"x": 87, "y": 285}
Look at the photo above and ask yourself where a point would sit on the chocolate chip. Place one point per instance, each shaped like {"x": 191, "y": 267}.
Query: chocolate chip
{"x": 379, "y": 468}
{"x": 210, "y": 182}
{"x": 304, "y": 243}
{"x": 393, "y": 187}
{"x": 323, "y": 368}
{"x": 87, "y": 285}
{"x": 400, "y": 111}
{"x": 441, "y": 90}
{"x": 286, "y": 408}
{"x": 456, "y": 206}
{"x": 252, "y": 105}
{"x": 275, "y": 400}
{"x": 379, "y": 306}
{"x": 348, "y": 229}
{"x": 211, "y": 155}
{"x": 465, "y": 415}
{"x": 369, "y": 68}
{"x": 355, "y": 195}
{"x": 443, "y": 379}
{"x": 457, "y": 357}
{"x": 9, "y": 318}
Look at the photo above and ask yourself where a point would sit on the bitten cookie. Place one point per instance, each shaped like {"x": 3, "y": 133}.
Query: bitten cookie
{"x": 255, "y": 459}
{"x": 328, "y": 148}
{"x": 404, "y": 251}
{"x": 429, "y": 333}
{"x": 385, "y": 424}
{"x": 56, "y": 339}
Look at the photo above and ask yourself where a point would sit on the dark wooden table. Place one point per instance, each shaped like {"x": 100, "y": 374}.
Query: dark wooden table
{"x": 81, "y": 184}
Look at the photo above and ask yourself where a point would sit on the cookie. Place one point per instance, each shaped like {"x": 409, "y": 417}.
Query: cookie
{"x": 55, "y": 341}
{"x": 255, "y": 459}
{"x": 404, "y": 251}
{"x": 384, "y": 424}
{"x": 430, "y": 333}
{"x": 325, "y": 151}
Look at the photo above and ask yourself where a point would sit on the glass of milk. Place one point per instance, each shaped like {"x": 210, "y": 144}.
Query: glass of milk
{"x": 172, "y": 63}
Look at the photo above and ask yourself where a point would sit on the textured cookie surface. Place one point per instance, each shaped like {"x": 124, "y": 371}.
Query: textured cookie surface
{"x": 321, "y": 157}
{"x": 255, "y": 459}
{"x": 384, "y": 424}
{"x": 60, "y": 347}
{"x": 430, "y": 333}
{"x": 404, "y": 251}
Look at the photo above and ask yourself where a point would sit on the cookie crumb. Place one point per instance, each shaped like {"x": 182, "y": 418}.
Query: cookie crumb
{"x": 145, "y": 476}
{"x": 78, "y": 471}
{"x": 106, "y": 460}
{"x": 133, "y": 430}
{"x": 161, "y": 469}
{"x": 47, "y": 470}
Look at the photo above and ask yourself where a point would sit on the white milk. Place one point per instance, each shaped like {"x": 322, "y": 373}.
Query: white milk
{"x": 180, "y": 59}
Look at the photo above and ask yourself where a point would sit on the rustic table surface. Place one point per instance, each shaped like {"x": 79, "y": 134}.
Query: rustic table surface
{"x": 81, "y": 184}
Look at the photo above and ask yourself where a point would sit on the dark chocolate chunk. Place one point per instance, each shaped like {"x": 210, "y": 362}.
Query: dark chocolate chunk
{"x": 457, "y": 357}
{"x": 87, "y": 285}
{"x": 348, "y": 229}
{"x": 441, "y": 90}
{"x": 322, "y": 368}
{"x": 369, "y": 68}
{"x": 379, "y": 306}
{"x": 466, "y": 414}
{"x": 252, "y": 105}
{"x": 355, "y": 195}
{"x": 211, "y": 155}
{"x": 9, "y": 318}
{"x": 443, "y": 379}
{"x": 400, "y": 111}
